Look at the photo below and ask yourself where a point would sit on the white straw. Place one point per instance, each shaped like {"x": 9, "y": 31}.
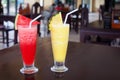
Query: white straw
{"x": 34, "y": 20}
{"x": 69, "y": 14}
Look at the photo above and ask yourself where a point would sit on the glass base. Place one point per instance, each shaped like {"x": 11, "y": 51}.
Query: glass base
{"x": 30, "y": 70}
{"x": 59, "y": 69}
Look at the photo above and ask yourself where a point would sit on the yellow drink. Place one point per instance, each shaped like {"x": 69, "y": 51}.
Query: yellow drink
{"x": 59, "y": 38}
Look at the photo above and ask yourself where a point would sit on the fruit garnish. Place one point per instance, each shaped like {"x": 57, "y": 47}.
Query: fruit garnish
{"x": 56, "y": 19}
{"x": 23, "y": 20}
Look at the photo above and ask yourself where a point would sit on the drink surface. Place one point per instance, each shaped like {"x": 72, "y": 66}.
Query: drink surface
{"x": 60, "y": 35}
{"x": 27, "y": 37}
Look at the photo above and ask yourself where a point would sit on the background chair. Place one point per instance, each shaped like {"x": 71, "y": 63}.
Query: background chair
{"x": 7, "y": 26}
{"x": 35, "y": 11}
{"x": 84, "y": 16}
{"x": 75, "y": 19}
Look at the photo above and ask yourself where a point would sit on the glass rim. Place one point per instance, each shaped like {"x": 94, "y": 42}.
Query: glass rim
{"x": 61, "y": 25}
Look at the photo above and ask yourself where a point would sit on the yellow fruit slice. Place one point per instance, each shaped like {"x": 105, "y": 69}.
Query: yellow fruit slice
{"x": 56, "y": 19}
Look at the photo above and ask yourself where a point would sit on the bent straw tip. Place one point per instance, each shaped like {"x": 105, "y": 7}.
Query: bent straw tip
{"x": 69, "y": 14}
{"x": 34, "y": 19}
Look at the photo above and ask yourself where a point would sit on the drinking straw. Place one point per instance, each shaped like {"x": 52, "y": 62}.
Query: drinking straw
{"x": 34, "y": 20}
{"x": 69, "y": 14}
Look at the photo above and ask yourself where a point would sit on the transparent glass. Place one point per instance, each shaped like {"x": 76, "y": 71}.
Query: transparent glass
{"x": 59, "y": 38}
{"x": 28, "y": 38}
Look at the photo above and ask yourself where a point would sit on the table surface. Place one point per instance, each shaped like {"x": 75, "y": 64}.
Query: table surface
{"x": 85, "y": 62}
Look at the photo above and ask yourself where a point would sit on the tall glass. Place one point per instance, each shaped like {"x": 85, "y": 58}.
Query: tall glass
{"x": 28, "y": 38}
{"x": 59, "y": 38}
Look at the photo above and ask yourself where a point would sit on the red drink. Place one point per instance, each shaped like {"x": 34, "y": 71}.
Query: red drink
{"x": 28, "y": 37}
{"x": 27, "y": 32}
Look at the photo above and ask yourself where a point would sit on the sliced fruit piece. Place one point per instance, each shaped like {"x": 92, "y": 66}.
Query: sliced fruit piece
{"x": 22, "y": 20}
{"x": 56, "y": 19}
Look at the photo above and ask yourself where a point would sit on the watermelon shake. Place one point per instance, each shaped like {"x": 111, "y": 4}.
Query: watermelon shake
{"x": 28, "y": 44}
{"x": 27, "y": 33}
{"x": 28, "y": 38}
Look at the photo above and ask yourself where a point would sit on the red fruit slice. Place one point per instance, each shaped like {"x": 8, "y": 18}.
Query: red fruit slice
{"x": 23, "y": 21}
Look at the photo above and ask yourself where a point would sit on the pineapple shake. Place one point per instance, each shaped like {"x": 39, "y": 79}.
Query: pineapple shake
{"x": 59, "y": 40}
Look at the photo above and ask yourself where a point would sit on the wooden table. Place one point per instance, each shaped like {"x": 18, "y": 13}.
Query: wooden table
{"x": 85, "y": 62}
